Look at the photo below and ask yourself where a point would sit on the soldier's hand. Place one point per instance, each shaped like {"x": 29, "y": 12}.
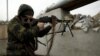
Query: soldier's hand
{"x": 40, "y": 25}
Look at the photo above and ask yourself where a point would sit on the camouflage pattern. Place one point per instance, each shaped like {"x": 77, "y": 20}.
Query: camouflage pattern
{"x": 18, "y": 36}
{"x": 22, "y": 41}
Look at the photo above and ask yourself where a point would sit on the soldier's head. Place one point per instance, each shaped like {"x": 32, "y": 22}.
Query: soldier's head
{"x": 25, "y": 9}
{"x": 25, "y": 12}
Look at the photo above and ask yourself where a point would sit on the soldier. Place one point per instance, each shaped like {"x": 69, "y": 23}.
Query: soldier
{"x": 22, "y": 33}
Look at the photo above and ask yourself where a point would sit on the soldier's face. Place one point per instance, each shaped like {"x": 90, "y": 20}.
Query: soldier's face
{"x": 28, "y": 16}
{"x": 27, "y": 19}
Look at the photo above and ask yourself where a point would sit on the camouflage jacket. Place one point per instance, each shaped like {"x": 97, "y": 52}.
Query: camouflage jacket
{"x": 19, "y": 36}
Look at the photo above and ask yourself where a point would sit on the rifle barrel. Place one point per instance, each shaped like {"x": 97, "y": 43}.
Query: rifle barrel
{"x": 63, "y": 21}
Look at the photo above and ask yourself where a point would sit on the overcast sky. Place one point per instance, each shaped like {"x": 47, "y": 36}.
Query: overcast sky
{"x": 39, "y": 5}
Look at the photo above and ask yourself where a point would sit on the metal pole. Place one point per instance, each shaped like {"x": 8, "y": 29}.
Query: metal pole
{"x": 7, "y": 10}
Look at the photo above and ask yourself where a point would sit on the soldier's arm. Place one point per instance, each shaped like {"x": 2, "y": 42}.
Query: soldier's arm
{"x": 44, "y": 31}
{"x": 21, "y": 32}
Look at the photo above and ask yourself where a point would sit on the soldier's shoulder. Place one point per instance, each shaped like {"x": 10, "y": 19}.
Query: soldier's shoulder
{"x": 14, "y": 19}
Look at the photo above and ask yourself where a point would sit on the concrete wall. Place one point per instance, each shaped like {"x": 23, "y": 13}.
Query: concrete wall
{"x": 3, "y": 31}
{"x": 82, "y": 44}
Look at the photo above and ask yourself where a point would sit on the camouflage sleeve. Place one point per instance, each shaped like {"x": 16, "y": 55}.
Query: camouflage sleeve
{"x": 21, "y": 32}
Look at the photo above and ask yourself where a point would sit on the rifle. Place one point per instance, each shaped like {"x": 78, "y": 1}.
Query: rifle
{"x": 47, "y": 19}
